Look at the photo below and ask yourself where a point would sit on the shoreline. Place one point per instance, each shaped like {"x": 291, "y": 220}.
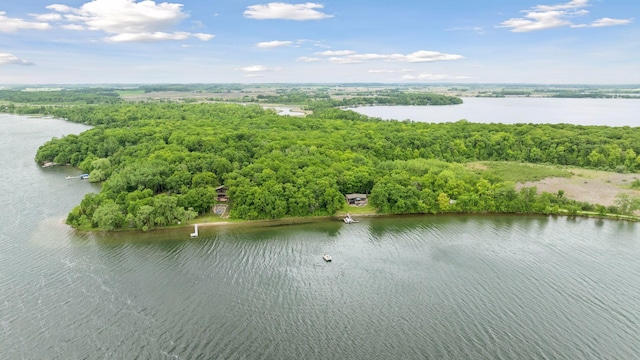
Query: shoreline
{"x": 303, "y": 220}
{"x": 338, "y": 218}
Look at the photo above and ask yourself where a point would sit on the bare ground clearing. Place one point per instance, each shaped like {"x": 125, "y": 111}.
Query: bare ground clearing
{"x": 592, "y": 186}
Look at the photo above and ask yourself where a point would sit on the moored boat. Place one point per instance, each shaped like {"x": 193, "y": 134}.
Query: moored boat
{"x": 349, "y": 220}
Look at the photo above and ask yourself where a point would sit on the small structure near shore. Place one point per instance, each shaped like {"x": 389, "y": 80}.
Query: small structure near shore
{"x": 221, "y": 192}
{"x": 195, "y": 233}
{"x": 356, "y": 199}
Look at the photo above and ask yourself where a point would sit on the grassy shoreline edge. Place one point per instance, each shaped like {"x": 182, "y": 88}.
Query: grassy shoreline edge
{"x": 339, "y": 217}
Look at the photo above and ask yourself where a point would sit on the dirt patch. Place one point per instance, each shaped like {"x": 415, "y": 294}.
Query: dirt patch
{"x": 594, "y": 187}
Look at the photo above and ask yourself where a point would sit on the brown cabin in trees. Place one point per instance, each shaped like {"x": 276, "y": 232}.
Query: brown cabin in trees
{"x": 222, "y": 193}
{"x": 356, "y": 199}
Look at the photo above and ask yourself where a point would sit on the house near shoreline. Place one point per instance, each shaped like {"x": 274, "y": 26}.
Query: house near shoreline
{"x": 221, "y": 192}
{"x": 356, "y": 199}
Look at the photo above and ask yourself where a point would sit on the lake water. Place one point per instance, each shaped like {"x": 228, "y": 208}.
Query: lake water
{"x": 611, "y": 112}
{"x": 288, "y": 111}
{"x": 431, "y": 287}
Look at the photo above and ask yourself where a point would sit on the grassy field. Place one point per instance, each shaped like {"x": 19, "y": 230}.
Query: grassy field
{"x": 356, "y": 210}
{"x": 519, "y": 172}
{"x": 130, "y": 92}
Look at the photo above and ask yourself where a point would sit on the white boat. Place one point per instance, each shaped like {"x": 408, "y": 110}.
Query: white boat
{"x": 326, "y": 257}
{"x": 349, "y": 220}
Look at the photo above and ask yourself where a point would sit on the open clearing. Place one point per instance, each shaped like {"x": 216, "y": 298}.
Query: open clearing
{"x": 592, "y": 186}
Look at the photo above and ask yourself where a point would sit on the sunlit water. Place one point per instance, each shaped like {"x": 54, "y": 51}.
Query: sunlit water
{"x": 448, "y": 287}
{"x": 611, "y": 112}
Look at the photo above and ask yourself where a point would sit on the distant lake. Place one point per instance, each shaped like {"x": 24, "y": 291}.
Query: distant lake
{"x": 288, "y": 111}
{"x": 406, "y": 287}
{"x": 611, "y": 112}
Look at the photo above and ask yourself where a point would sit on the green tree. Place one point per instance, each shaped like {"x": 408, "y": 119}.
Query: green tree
{"x": 108, "y": 216}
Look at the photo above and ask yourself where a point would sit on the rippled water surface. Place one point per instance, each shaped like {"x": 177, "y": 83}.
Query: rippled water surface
{"x": 475, "y": 287}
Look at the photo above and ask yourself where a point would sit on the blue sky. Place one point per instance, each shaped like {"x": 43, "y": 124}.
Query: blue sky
{"x": 401, "y": 41}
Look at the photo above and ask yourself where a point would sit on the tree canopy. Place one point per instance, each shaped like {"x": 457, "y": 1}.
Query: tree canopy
{"x": 161, "y": 162}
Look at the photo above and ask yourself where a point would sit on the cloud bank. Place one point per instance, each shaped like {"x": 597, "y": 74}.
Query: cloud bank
{"x": 284, "y": 11}
{"x": 10, "y": 59}
{"x": 8, "y": 24}
{"x": 273, "y": 44}
{"x": 351, "y": 57}
{"x": 126, "y": 20}
{"x": 542, "y": 17}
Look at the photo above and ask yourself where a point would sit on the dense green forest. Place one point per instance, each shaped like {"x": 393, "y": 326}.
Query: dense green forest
{"x": 75, "y": 96}
{"x": 161, "y": 163}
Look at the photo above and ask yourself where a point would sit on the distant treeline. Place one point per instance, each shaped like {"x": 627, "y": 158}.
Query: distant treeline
{"x": 594, "y": 95}
{"x": 82, "y": 96}
{"x": 562, "y": 94}
{"x": 323, "y": 100}
{"x": 161, "y": 163}
{"x": 213, "y": 88}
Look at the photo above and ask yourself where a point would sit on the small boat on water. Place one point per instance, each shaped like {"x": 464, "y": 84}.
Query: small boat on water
{"x": 84, "y": 176}
{"x": 326, "y": 257}
{"x": 349, "y": 220}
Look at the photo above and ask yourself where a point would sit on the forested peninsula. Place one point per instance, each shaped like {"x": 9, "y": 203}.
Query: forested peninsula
{"x": 162, "y": 162}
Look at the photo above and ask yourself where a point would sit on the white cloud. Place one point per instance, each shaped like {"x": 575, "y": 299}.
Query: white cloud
{"x": 344, "y": 60}
{"x": 543, "y": 17}
{"x": 61, "y": 8}
{"x": 10, "y": 59}
{"x": 476, "y": 29}
{"x": 537, "y": 21}
{"x": 416, "y": 57}
{"x": 273, "y": 44}
{"x": 574, "y": 4}
{"x": 147, "y": 37}
{"x": 126, "y": 16}
{"x": 47, "y": 17}
{"x": 73, "y": 27}
{"x": 128, "y": 20}
{"x": 381, "y": 71}
{"x": 362, "y": 57}
{"x": 308, "y": 59}
{"x": 203, "y": 36}
{"x": 336, "y": 53}
{"x": 278, "y": 10}
{"x": 433, "y": 77}
{"x": 429, "y": 56}
{"x": 610, "y": 22}
{"x": 253, "y": 69}
{"x": 8, "y": 24}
